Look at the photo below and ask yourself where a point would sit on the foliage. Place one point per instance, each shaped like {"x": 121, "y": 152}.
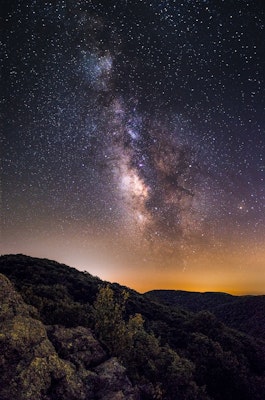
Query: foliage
{"x": 245, "y": 313}
{"x": 109, "y": 324}
{"x": 195, "y": 357}
{"x": 141, "y": 351}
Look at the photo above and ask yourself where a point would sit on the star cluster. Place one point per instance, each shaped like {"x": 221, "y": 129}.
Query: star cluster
{"x": 133, "y": 140}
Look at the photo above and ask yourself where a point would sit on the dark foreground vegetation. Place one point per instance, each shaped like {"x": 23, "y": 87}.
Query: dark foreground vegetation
{"x": 67, "y": 335}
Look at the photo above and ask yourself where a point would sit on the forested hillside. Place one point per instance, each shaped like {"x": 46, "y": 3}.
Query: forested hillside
{"x": 245, "y": 313}
{"x": 109, "y": 342}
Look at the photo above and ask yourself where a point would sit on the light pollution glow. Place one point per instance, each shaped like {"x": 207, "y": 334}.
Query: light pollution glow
{"x": 133, "y": 142}
{"x": 215, "y": 270}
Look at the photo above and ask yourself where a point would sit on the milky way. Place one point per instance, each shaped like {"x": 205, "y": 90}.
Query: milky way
{"x": 134, "y": 138}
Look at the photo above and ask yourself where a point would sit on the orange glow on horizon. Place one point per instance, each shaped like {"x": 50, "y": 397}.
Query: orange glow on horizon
{"x": 183, "y": 281}
{"x": 231, "y": 269}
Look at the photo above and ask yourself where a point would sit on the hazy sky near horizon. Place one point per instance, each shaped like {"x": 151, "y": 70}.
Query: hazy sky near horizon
{"x": 134, "y": 140}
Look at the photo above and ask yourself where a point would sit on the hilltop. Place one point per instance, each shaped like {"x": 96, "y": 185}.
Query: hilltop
{"x": 66, "y": 334}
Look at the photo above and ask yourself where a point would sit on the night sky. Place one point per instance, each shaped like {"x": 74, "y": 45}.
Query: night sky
{"x": 134, "y": 139}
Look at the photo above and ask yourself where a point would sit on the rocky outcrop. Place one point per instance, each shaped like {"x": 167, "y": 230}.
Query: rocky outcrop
{"x": 11, "y": 303}
{"x": 107, "y": 379}
{"x": 66, "y": 364}
{"x": 30, "y": 366}
{"x": 114, "y": 384}
{"x": 77, "y": 345}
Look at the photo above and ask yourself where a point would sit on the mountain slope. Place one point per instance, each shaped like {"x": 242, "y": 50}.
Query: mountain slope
{"x": 245, "y": 313}
{"x": 32, "y": 369}
{"x": 200, "y": 357}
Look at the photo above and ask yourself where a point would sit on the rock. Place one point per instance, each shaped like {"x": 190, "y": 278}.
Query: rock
{"x": 30, "y": 366}
{"x": 77, "y": 345}
{"x": 106, "y": 379}
{"x": 11, "y": 303}
{"x": 114, "y": 384}
{"x": 66, "y": 364}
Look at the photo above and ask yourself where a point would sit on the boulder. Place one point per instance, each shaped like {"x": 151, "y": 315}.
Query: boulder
{"x": 114, "y": 383}
{"x": 77, "y": 345}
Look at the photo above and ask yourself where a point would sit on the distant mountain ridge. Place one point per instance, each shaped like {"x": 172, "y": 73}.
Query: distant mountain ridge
{"x": 245, "y": 313}
{"x": 193, "y": 301}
